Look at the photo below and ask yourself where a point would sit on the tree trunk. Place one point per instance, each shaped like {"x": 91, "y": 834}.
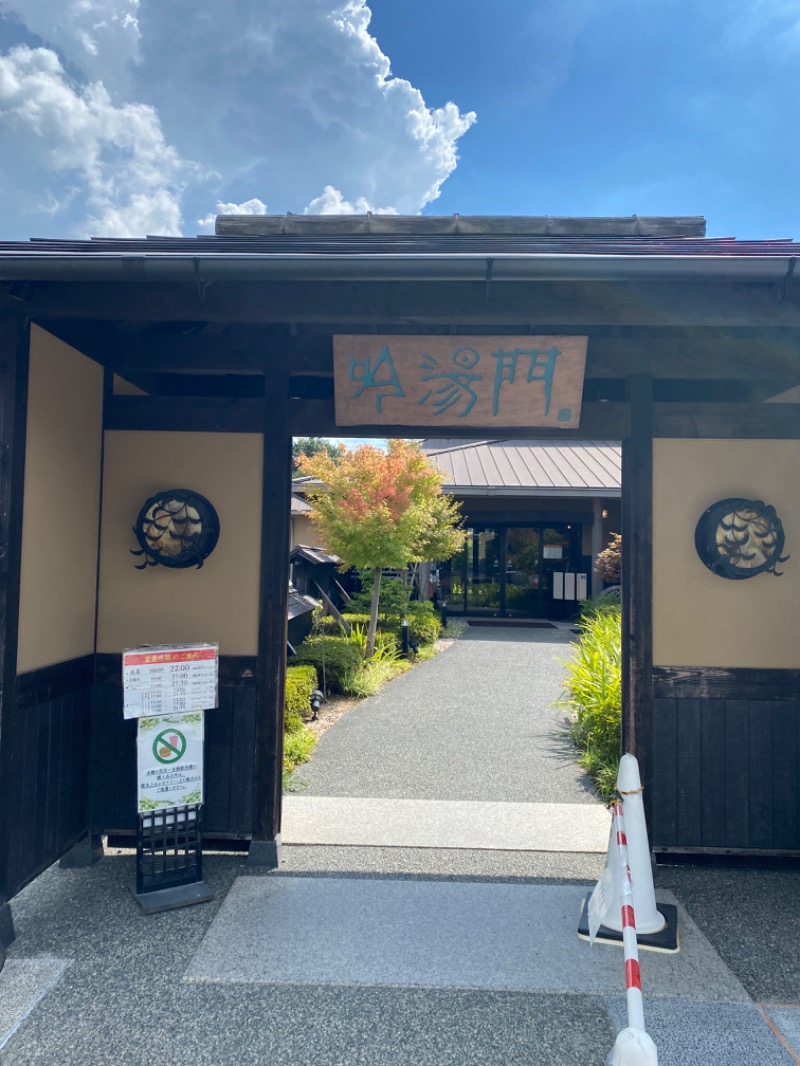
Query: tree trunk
{"x": 373, "y": 614}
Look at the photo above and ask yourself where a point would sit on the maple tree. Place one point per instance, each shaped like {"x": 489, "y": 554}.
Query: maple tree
{"x": 381, "y": 510}
{"x": 311, "y": 446}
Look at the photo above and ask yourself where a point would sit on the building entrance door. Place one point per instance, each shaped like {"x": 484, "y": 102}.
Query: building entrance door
{"x": 509, "y": 571}
{"x": 523, "y": 584}
{"x": 483, "y": 570}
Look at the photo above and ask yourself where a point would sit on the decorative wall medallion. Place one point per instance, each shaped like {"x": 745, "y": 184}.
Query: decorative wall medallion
{"x": 176, "y": 528}
{"x": 738, "y": 538}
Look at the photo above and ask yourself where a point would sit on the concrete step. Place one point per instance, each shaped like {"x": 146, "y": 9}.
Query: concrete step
{"x": 409, "y": 823}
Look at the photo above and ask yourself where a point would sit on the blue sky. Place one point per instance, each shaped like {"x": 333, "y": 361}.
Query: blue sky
{"x": 125, "y": 117}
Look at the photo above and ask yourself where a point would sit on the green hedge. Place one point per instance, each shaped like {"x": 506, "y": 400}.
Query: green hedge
{"x": 298, "y": 740}
{"x": 336, "y": 659}
{"x": 300, "y": 683}
{"x": 423, "y": 624}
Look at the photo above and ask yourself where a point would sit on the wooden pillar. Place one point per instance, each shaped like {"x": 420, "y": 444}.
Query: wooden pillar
{"x": 637, "y": 578}
{"x": 14, "y": 353}
{"x": 274, "y": 585}
{"x": 598, "y": 536}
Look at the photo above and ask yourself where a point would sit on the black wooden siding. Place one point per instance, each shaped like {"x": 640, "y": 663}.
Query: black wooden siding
{"x": 726, "y": 770}
{"x": 49, "y": 729}
{"x": 229, "y": 740}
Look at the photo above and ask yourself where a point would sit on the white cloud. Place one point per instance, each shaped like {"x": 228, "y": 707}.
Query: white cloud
{"x": 249, "y": 207}
{"x": 271, "y": 98}
{"x": 99, "y": 37}
{"x": 128, "y": 176}
{"x": 331, "y": 202}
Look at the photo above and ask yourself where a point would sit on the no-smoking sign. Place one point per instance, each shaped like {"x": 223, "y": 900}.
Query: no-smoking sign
{"x": 170, "y": 761}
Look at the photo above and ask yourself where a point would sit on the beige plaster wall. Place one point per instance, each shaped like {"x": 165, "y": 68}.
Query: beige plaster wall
{"x": 158, "y": 606}
{"x": 700, "y": 619}
{"x": 305, "y": 532}
{"x": 61, "y": 504}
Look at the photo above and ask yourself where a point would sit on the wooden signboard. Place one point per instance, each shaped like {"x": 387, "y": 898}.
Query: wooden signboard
{"x": 459, "y": 381}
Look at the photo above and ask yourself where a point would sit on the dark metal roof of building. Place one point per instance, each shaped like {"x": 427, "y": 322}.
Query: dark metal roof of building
{"x": 298, "y": 603}
{"x": 314, "y": 555}
{"x": 528, "y": 467}
{"x": 489, "y": 248}
{"x": 271, "y": 235}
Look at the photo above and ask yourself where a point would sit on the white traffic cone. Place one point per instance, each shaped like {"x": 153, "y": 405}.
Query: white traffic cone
{"x": 633, "y": 1047}
{"x": 648, "y": 918}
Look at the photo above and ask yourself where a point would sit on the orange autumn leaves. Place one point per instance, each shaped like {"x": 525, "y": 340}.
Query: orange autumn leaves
{"x": 379, "y": 509}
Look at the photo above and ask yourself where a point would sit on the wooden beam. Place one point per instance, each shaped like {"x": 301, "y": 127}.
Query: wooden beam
{"x": 542, "y": 304}
{"x": 724, "y": 683}
{"x": 272, "y": 635}
{"x": 733, "y": 354}
{"x": 14, "y": 357}
{"x": 185, "y": 414}
{"x": 759, "y": 421}
{"x": 315, "y": 417}
{"x": 217, "y": 386}
{"x": 637, "y": 580}
{"x": 702, "y": 352}
{"x": 682, "y": 390}
{"x": 599, "y": 421}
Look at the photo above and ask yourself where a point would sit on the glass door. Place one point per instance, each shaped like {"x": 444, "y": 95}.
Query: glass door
{"x": 524, "y": 592}
{"x": 557, "y": 558}
{"x": 482, "y": 551}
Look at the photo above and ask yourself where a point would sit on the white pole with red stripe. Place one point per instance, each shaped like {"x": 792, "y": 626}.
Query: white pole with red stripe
{"x": 648, "y": 917}
{"x": 633, "y": 980}
{"x": 633, "y": 1047}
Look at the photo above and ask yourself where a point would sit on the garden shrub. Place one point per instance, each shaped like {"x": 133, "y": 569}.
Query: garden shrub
{"x": 298, "y": 740}
{"x": 336, "y": 659}
{"x": 593, "y": 693}
{"x": 393, "y": 598}
{"x": 298, "y": 745}
{"x": 373, "y": 674}
{"x": 423, "y": 623}
{"x": 300, "y": 683}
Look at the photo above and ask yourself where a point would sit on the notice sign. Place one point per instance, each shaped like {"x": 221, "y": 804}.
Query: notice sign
{"x": 169, "y": 679}
{"x": 459, "y": 381}
{"x": 170, "y": 761}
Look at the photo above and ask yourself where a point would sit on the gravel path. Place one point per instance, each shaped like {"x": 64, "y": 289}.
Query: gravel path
{"x": 477, "y": 722}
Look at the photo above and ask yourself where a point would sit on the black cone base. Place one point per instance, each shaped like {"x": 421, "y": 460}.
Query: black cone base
{"x": 666, "y": 940}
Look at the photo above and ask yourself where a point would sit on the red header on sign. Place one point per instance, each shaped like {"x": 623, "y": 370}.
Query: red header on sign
{"x": 142, "y": 658}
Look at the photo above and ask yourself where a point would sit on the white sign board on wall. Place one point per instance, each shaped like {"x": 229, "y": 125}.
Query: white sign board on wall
{"x": 169, "y": 679}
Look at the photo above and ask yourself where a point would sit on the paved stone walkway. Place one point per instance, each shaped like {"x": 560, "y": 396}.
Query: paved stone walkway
{"x": 376, "y": 952}
{"x": 474, "y": 723}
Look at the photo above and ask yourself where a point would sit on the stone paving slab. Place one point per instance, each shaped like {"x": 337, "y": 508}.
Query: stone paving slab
{"x": 436, "y": 934}
{"x": 23, "y": 984}
{"x": 702, "y": 1034}
{"x": 561, "y": 827}
{"x": 787, "y": 1021}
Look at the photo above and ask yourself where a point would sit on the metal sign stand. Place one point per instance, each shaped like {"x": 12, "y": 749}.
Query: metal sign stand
{"x": 169, "y": 859}
{"x": 168, "y": 688}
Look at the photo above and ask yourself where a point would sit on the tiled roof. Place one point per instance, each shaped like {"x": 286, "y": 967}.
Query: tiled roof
{"x": 528, "y": 467}
{"x": 372, "y": 235}
{"x": 300, "y": 506}
{"x": 313, "y": 555}
{"x": 298, "y": 603}
{"x": 373, "y": 245}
